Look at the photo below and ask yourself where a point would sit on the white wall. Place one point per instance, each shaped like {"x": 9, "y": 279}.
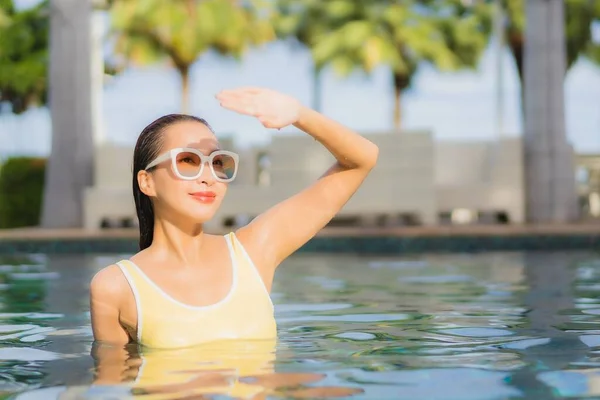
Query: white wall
{"x": 402, "y": 182}
{"x": 415, "y": 175}
{"x": 480, "y": 176}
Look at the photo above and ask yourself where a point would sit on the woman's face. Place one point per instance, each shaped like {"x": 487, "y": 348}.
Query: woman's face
{"x": 191, "y": 200}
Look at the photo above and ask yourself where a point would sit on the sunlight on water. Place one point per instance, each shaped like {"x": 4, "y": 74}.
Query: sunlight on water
{"x": 455, "y": 326}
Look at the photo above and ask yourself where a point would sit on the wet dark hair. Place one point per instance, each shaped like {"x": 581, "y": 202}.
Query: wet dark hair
{"x": 147, "y": 148}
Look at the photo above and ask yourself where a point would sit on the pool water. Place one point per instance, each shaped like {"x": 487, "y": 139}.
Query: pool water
{"x": 444, "y": 326}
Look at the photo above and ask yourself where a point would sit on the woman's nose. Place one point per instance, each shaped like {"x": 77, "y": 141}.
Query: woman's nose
{"x": 207, "y": 176}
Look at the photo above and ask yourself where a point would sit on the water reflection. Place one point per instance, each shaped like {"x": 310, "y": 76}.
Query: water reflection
{"x": 238, "y": 369}
{"x": 452, "y": 326}
{"x": 548, "y": 278}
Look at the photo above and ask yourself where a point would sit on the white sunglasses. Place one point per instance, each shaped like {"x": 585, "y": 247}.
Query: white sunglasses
{"x": 188, "y": 163}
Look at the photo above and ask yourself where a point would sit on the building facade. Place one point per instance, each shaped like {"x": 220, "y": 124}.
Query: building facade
{"x": 418, "y": 181}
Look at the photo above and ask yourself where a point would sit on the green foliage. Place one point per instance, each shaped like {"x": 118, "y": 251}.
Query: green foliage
{"x": 150, "y": 31}
{"x": 448, "y": 34}
{"x": 21, "y": 191}
{"x": 362, "y": 35}
{"x": 4, "y": 19}
{"x": 7, "y": 8}
{"x": 580, "y": 15}
{"x": 308, "y": 20}
{"x": 351, "y": 34}
{"x": 23, "y": 55}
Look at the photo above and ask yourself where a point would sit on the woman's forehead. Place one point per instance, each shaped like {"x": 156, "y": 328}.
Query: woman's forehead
{"x": 190, "y": 134}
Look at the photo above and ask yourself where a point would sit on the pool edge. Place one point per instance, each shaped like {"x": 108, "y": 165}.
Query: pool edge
{"x": 391, "y": 240}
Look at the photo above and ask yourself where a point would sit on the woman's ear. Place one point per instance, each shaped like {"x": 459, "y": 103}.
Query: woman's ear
{"x": 146, "y": 183}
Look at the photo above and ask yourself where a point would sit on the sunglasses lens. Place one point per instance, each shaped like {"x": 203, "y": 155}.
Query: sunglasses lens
{"x": 188, "y": 164}
{"x": 224, "y": 166}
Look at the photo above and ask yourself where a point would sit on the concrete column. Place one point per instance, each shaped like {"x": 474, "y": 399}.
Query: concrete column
{"x": 549, "y": 164}
{"x": 70, "y": 166}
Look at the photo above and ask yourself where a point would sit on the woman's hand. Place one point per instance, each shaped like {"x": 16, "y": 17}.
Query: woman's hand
{"x": 283, "y": 228}
{"x": 273, "y": 109}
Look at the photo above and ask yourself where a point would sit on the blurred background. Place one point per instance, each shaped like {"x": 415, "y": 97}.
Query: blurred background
{"x": 438, "y": 84}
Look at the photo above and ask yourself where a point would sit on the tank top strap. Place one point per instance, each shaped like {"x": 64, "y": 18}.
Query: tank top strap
{"x": 246, "y": 266}
{"x": 238, "y": 253}
{"x": 130, "y": 271}
{"x": 138, "y": 286}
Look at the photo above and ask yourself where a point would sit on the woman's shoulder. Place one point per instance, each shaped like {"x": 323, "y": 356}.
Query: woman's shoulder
{"x": 109, "y": 281}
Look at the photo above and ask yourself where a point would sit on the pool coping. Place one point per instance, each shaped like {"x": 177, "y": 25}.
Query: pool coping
{"x": 386, "y": 240}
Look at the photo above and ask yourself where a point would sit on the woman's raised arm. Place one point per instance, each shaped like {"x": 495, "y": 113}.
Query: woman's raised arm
{"x": 282, "y": 229}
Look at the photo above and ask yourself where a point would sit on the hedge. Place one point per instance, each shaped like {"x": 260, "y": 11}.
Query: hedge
{"x": 21, "y": 191}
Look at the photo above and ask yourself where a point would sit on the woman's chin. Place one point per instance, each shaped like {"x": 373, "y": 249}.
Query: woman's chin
{"x": 196, "y": 212}
{"x": 200, "y": 216}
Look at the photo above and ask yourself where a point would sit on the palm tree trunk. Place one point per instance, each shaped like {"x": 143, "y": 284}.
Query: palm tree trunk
{"x": 516, "y": 43}
{"x": 184, "y": 72}
{"x": 401, "y": 82}
{"x": 397, "y": 108}
{"x": 316, "y": 89}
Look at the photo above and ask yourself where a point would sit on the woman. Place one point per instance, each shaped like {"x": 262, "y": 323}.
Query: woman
{"x": 186, "y": 287}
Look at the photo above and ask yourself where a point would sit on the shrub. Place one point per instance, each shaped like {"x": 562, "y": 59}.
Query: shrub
{"x": 21, "y": 191}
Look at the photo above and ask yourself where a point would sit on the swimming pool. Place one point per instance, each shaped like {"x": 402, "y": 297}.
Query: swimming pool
{"x": 443, "y": 326}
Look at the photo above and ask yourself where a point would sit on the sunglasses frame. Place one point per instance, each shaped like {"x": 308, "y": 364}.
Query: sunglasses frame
{"x": 172, "y": 155}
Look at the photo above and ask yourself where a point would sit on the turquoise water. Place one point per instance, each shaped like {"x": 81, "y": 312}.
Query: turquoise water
{"x": 453, "y": 326}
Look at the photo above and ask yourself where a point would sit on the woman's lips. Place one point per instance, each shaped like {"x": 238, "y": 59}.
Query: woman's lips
{"x": 204, "y": 197}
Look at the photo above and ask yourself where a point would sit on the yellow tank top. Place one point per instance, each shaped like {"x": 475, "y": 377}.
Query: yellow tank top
{"x": 246, "y": 312}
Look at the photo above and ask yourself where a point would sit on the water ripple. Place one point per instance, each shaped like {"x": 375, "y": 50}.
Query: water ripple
{"x": 477, "y": 332}
{"x": 437, "y": 326}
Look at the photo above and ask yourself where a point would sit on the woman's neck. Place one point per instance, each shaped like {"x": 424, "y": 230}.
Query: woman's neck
{"x": 183, "y": 242}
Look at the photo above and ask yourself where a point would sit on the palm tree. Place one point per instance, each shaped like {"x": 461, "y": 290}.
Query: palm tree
{"x": 303, "y": 22}
{"x": 149, "y": 31}
{"x": 354, "y": 34}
